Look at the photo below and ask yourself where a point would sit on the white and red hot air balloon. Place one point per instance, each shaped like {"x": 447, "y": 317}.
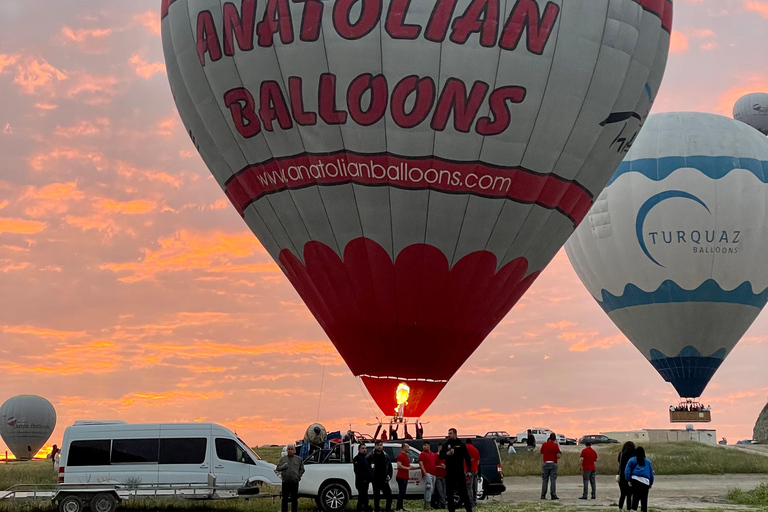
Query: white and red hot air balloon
{"x": 413, "y": 165}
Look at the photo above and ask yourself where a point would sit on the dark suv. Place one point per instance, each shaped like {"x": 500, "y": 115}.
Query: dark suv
{"x": 500, "y": 436}
{"x": 597, "y": 439}
{"x": 491, "y": 480}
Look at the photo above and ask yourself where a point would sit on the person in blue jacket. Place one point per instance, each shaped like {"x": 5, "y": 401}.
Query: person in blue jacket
{"x": 639, "y": 476}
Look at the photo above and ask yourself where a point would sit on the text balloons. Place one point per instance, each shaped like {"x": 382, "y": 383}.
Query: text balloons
{"x": 674, "y": 248}
{"x": 26, "y": 423}
{"x": 753, "y": 110}
{"x": 413, "y": 165}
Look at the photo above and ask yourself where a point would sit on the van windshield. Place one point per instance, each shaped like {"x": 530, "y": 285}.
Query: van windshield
{"x": 250, "y": 450}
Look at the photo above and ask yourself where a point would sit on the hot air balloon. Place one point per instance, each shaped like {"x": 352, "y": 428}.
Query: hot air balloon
{"x": 753, "y": 110}
{"x": 674, "y": 248}
{"x": 412, "y": 166}
{"x": 26, "y": 423}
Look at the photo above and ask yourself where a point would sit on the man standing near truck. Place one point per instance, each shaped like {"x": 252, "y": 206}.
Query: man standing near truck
{"x": 439, "y": 479}
{"x": 381, "y": 468}
{"x": 290, "y": 469}
{"x": 427, "y": 465}
{"x": 362, "y": 478}
{"x": 455, "y": 455}
{"x": 403, "y": 474}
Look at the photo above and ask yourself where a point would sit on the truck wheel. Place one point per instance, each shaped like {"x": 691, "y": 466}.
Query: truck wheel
{"x": 71, "y": 504}
{"x": 333, "y": 497}
{"x": 103, "y": 502}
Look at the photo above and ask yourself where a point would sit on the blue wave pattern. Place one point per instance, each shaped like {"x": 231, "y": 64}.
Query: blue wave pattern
{"x": 670, "y": 292}
{"x": 689, "y": 372}
{"x": 714, "y": 167}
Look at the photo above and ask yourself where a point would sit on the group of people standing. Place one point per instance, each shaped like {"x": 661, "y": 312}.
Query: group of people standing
{"x": 452, "y": 469}
{"x": 635, "y": 475}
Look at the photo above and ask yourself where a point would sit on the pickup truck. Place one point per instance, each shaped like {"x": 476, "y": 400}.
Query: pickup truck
{"x": 330, "y": 477}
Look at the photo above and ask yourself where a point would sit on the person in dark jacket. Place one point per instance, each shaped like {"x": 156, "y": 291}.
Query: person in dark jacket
{"x": 639, "y": 475}
{"x": 290, "y": 469}
{"x": 381, "y": 474}
{"x": 530, "y": 441}
{"x": 455, "y": 455}
{"x": 362, "y": 478}
{"x": 626, "y": 453}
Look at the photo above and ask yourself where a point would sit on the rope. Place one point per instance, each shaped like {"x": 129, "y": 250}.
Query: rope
{"x": 322, "y": 381}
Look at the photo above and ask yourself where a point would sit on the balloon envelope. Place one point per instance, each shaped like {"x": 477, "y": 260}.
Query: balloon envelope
{"x": 413, "y": 166}
{"x": 674, "y": 247}
{"x": 26, "y": 423}
{"x": 752, "y": 109}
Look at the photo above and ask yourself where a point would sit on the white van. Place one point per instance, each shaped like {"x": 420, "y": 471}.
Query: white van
{"x": 116, "y": 452}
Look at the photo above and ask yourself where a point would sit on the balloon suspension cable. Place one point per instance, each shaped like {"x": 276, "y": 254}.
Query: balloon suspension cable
{"x": 322, "y": 381}
{"x": 368, "y": 399}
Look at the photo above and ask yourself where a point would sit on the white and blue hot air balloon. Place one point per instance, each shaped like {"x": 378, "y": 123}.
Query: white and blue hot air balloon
{"x": 752, "y": 109}
{"x": 674, "y": 248}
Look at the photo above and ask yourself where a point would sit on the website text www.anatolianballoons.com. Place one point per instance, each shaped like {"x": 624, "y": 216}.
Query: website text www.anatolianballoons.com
{"x": 433, "y": 173}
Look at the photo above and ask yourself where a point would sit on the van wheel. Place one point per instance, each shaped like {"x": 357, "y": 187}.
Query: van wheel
{"x": 103, "y": 502}
{"x": 71, "y": 504}
{"x": 333, "y": 497}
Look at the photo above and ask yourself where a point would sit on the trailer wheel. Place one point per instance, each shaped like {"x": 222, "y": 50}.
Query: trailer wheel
{"x": 71, "y": 504}
{"x": 333, "y": 497}
{"x": 103, "y": 502}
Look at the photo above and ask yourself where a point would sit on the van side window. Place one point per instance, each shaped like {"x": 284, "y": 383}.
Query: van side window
{"x": 228, "y": 449}
{"x": 89, "y": 453}
{"x": 127, "y": 451}
{"x": 183, "y": 450}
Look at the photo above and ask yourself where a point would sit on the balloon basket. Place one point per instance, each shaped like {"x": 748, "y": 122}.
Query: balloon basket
{"x": 690, "y": 412}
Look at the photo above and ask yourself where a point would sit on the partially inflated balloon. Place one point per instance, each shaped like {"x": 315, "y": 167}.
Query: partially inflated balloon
{"x": 674, "y": 248}
{"x": 753, "y": 110}
{"x": 413, "y": 165}
{"x": 26, "y": 423}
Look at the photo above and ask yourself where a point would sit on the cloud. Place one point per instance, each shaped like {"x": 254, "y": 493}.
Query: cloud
{"x": 149, "y": 20}
{"x": 41, "y": 332}
{"x": 84, "y": 35}
{"x": 562, "y": 324}
{"x": 188, "y": 251}
{"x": 134, "y": 173}
{"x": 746, "y": 85}
{"x": 7, "y": 61}
{"x": 758, "y": 6}
{"x": 46, "y": 106}
{"x": 166, "y": 127}
{"x": 97, "y": 90}
{"x": 678, "y": 42}
{"x": 135, "y": 207}
{"x": 33, "y": 76}
{"x": 20, "y": 226}
{"x": 51, "y": 199}
{"x": 144, "y": 69}
{"x": 43, "y": 161}
{"x": 83, "y": 128}
{"x": 585, "y": 344}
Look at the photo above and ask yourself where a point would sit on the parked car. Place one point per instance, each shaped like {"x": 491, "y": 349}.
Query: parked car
{"x": 540, "y": 434}
{"x": 330, "y": 479}
{"x": 597, "y": 439}
{"x": 491, "y": 481}
{"x": 500, "y": 436}
{"x": 569, "y": 441}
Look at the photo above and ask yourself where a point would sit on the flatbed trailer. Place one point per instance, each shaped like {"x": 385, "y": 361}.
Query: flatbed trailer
{"x": 104, "y": 497}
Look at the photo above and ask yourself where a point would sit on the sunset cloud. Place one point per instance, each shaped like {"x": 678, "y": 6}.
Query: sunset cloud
{"x": 678, "y": 43}
{"x": 53, "y": 198}
{"x": 144, "y": 69}
{"x": 758, "y": 6}
{"x": 35, "y": 75}
{"x": 84, "y": 35}
{"x": 83, "y": 128}
{"x": 42, "y": 161}
{"x": 187, "y": 251}
{"x": 7, "y": 61}
{"x": 93, "y": 90}
{"x": 22, "y": 226}
{"x": 135, "y": 207}
{"x": 149, "y": 20}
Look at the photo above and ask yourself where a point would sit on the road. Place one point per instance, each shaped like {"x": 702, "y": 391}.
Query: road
{"x": 668, "y": 493}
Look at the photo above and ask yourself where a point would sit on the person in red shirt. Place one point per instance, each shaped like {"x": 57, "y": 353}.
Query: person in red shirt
{"x": 474, "y": 457}
{"x": 440, "y": 501}
{"x": 550, "y": 454}
{"x": 403, "y": 473}
{"x": 427, "y": 465}
{"x": 587, "y": 461}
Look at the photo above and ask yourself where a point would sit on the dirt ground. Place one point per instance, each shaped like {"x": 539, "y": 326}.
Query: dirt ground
{"x": 668, "y": 493}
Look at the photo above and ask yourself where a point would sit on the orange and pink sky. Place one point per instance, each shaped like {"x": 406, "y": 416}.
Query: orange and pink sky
{"x": 132, "y": 290}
